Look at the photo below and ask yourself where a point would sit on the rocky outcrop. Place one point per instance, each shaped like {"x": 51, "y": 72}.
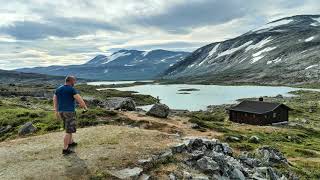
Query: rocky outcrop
{"x": 27, "y": 128}
{"x": 120, "y": 103}
{"x": 159, "y": 110}
{"x": 211, "y": 159}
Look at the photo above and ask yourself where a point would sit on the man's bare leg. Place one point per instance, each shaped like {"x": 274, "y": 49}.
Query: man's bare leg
{"x": 66, "y": 141}
{"x": 71, "y": 139}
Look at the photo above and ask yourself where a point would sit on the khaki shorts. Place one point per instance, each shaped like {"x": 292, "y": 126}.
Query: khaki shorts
{"x": 69, "y": 121}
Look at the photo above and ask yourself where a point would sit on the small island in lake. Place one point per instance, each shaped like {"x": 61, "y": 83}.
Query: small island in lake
{"x": 189, "y": 89}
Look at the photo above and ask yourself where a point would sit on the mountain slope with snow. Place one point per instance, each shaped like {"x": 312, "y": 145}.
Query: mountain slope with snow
{"x": 121, "y": 65}
{"x": 284, "y": 51}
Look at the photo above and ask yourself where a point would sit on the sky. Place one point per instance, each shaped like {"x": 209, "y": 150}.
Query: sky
{"x": 63, "y": 32}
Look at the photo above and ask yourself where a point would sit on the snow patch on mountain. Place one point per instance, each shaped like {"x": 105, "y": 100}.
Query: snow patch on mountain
{"x": 312, "y": 66}
{"x": 210, "y": 54}
{"x": 145, "y": 53}
{"x": 259, "y": 44}
{"x": 213, "y": 50}
{"x": 274, "y": 61}
{"x": 233, "y": 50}
{"x": 309, "y": 39}
{"x": 116, "y": 56}
{"x": 258, "y": 55}
{"x": 317, "y": 23}
{"x": 272, "y": 25}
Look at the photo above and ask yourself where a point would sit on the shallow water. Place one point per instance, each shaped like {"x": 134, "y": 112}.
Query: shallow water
{"x": 207, "y": 94}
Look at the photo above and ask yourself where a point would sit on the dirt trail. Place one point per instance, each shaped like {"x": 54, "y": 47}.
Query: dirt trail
{"x": 100, "y": 149}
{"x": 170, "y": 125}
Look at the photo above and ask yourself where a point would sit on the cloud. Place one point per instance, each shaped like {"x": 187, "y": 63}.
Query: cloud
{"x": 46, "y": 32}
{"x": 59, "y": 27}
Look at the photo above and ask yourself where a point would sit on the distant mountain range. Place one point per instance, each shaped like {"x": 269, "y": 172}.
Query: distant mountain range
{"x": 284, "y": 51}
{"x": 121, "y": 65}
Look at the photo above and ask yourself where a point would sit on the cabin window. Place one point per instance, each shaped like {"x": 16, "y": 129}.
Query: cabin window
{"x": 245, "y": 114}
{"x": 265, "y": 116}
{"x": 274, "y": 115}
{"x": 254, "y": 116}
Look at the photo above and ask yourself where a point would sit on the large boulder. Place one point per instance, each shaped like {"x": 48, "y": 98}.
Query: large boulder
{"x": 159, "y": 110}
{"x": 27, "y": 128}
{"x": 120, "y": 103}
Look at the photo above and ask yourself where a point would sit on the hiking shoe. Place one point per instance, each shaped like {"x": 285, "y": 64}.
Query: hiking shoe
{"x": 67, "y": 151}
{"x": 73, "y": 144}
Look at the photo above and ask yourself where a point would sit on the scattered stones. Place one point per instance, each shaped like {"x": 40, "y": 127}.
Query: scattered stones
{"x": 120, "y": 103}
{"x": 27, "y": 128}
{"x": 159, "y": 110}
{"x": 128, "y": 173}
{"x": 254, "y": 139}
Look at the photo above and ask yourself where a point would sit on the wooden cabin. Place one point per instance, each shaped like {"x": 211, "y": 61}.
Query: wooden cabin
{"x": 259, "y": 113}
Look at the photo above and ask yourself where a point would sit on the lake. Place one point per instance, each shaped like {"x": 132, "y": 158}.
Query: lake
{"x": 205, "y": 95}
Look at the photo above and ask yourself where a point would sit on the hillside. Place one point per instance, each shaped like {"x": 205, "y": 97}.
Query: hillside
{"x": 19, "y": 77}
{"x": 284, "y": 51}
{"x": 121, "y": 65}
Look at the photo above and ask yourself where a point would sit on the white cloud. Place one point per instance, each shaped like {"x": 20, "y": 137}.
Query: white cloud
{"x": 46, "y": 32}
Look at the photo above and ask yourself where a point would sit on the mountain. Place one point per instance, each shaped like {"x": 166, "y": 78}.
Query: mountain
{"x": 7, "y": 77}
{"x": 284, "y": 51}
{"x": 121, "y": 65}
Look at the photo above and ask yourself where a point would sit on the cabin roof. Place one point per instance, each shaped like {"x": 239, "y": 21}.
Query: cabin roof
{"x": 256, "y": 107}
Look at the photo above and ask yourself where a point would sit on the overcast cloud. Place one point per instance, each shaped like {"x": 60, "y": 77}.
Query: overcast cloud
{"x": 63, "y": 32}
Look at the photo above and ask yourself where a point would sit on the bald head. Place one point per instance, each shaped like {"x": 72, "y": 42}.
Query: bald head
{"x": 70, "y": 80}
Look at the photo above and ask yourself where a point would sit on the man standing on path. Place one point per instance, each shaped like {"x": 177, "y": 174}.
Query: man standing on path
{"x": 64, "y": 102}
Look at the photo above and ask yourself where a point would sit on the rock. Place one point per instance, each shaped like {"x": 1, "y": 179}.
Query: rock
{"x": 179, "y": 148}
{"x": 144, "y": 162}
{"x": 200, "y": 177}
{"x": 144, "y": 177}
{"x": 27, "y": 128}
{"x": 271, "y": 156}
{"x": 172, "y": 176}
{"x": 195, "y": 126}
{"x": 23, "y": 98}
{"x": 120, "y": 103}
{"x": 159, "y": 110}
{"x": 128, "y": 173}
{"x": 92, "y": 102}
{"x": 207, "y": 164}
{"x": 237, "y": 174}
{"x": 279, "y": 96}
{"x": 233, "y": 139}
{"x": 166, "y": 155}
{"x": 5, "y": 129}
{"x": 227, "y": 149}
{"x": 254, "y": 139}
{"x": 265, "y": 173}
{"x": 187, "y": 175}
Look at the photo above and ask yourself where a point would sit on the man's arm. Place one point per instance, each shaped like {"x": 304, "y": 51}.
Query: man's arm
{"x": 55, "y": 106}
{"x": 81, "y": 102}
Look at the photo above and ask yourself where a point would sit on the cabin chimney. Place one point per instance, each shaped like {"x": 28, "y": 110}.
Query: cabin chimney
{"x": 261, "y": 99}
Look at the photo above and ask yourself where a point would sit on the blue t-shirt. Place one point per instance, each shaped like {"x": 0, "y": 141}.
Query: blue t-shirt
{"x": 66, "y": 101}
